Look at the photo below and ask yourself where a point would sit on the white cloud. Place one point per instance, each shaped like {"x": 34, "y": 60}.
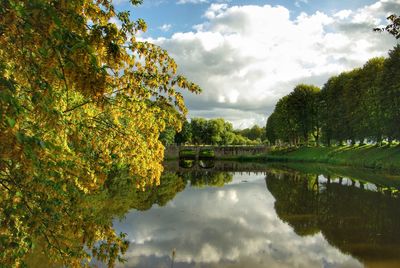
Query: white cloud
{"x": 297, "y": 3}
{"x": 165, "y": 27}
{"x": 343, "y": 14}
{"x": 247, "y": 57}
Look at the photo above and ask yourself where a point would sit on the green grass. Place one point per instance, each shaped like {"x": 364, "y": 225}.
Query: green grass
{"x": 206, "y": 153}
{"x": 187, "y": 153}
{"x": 367, "y": 156}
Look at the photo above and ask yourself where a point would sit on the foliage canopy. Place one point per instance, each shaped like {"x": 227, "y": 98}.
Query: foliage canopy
{"x": 79, "y": 97}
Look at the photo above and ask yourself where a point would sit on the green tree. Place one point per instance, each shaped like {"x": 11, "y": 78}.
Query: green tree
{"x": 199, "y": 130}
{"x": 303, "y": 109}
{"x": 352, "y": 101}
{"x": 185, "y": 135}
{"x": 390, "y": 94}
{"x": 271, "y": 129}
{"x": 215, "y": 130}
{"x": 333, "y": 112}
{"x": 167, "y": 137}
{"x": 372, "y": 120}
{"x": 253, "y": 133}
{"x": 286, "y": 129}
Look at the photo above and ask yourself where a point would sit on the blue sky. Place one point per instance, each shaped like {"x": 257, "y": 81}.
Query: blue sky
{"x": 182, "y": 17}
{"x": 245, "y": 55}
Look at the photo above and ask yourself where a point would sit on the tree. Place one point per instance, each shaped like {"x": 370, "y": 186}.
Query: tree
{"x": 185, "y": 135}
{"x": 253, "y": 133}
{"x": 286, "y": 128}
{"x": 270, "y": 129}
{"x": 199, "y": 130}
{"x": 370, "y": 80}
{"x": 390, "y": 94}
{"x": 303, "y": 108}
{"x": 215, "y": 130}
{"x": 167, "y": 137}
{"x": 393, "y": 27}
{"x": 79, "y": 96}
{"x": 353, "y": 110}
{"x": 333, "y": 111}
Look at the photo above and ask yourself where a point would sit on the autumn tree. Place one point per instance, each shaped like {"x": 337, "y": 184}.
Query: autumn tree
{"x": 79, "y": 95}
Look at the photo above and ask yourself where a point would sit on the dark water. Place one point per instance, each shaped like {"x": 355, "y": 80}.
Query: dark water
{"x": 253, "y": 215}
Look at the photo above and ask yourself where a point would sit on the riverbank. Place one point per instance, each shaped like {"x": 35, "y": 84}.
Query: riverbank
{"x": 387, "y": 158}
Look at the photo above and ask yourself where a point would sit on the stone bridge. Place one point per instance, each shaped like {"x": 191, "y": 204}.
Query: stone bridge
{"x": 172, "y": 152}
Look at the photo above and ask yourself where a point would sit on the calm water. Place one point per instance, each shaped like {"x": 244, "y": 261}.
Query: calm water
{"x": 251, "y": 215}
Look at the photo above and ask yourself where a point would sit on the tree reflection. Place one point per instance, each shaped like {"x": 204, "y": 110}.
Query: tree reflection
{"x": 365, "y": 224}
{"x": 57, "y": 225}
{"x": 187, "y": 163}
{"x": 208, "y": 178}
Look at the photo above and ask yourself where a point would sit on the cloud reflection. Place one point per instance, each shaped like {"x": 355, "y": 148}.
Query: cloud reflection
{"x": 233, "y": 226}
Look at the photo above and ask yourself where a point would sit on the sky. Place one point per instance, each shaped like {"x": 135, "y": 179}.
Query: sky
{"x": 246, "y": 55}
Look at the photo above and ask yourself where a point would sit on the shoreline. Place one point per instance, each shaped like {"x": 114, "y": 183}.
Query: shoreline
{"x": 367, "y": 156}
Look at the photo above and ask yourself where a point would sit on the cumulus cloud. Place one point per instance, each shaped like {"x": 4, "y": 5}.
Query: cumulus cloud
{"x": 242, "y": 231}
{"x": 247, "y": 57}
{"x": 299, "y": 2}
{"x": 165, "y": 27}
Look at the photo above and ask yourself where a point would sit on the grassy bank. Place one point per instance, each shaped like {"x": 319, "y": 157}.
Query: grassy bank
{"x": 375, "y": 176}
{"x": 367, "y": 156}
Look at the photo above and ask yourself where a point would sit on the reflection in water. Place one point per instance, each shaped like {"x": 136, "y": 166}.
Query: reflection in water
{"x": 232, "y": 226}
{"x": 206, "y": 163}
{"x": 218, "y": 219}
{"x": 365, "y": 224}
{"x": 187, "y": 163}
{"x": 57, "y": 225}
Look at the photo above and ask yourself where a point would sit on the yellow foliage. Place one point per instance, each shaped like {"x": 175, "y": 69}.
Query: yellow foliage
{"x": 79, "y": 96}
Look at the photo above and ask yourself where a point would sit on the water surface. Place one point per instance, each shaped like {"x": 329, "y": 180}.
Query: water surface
{"x": 252, "y": 215}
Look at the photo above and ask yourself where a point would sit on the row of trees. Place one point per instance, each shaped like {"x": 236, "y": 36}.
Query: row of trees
{"x": 213, "y": 131}
{"x": 356, "y": 106}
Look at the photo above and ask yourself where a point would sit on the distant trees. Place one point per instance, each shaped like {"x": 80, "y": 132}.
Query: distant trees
{"x": 185, "y": 135}
{"x": 356, "y": 106}
{"x": 212, "y": 132}
{"x": 255, "y": 133}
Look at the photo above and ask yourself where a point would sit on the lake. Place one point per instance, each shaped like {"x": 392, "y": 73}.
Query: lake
{"x": 228, "y": 214}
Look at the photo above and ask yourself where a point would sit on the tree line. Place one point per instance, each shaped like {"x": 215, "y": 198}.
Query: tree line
{"x": 358, "y": 106}
{"x": 212, "y": 132}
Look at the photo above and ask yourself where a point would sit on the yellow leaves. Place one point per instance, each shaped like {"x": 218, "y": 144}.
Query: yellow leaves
{"x": 85, "y": 98}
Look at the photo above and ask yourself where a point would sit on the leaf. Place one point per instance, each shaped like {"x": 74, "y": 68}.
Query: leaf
{"x": 11, "y": 122}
